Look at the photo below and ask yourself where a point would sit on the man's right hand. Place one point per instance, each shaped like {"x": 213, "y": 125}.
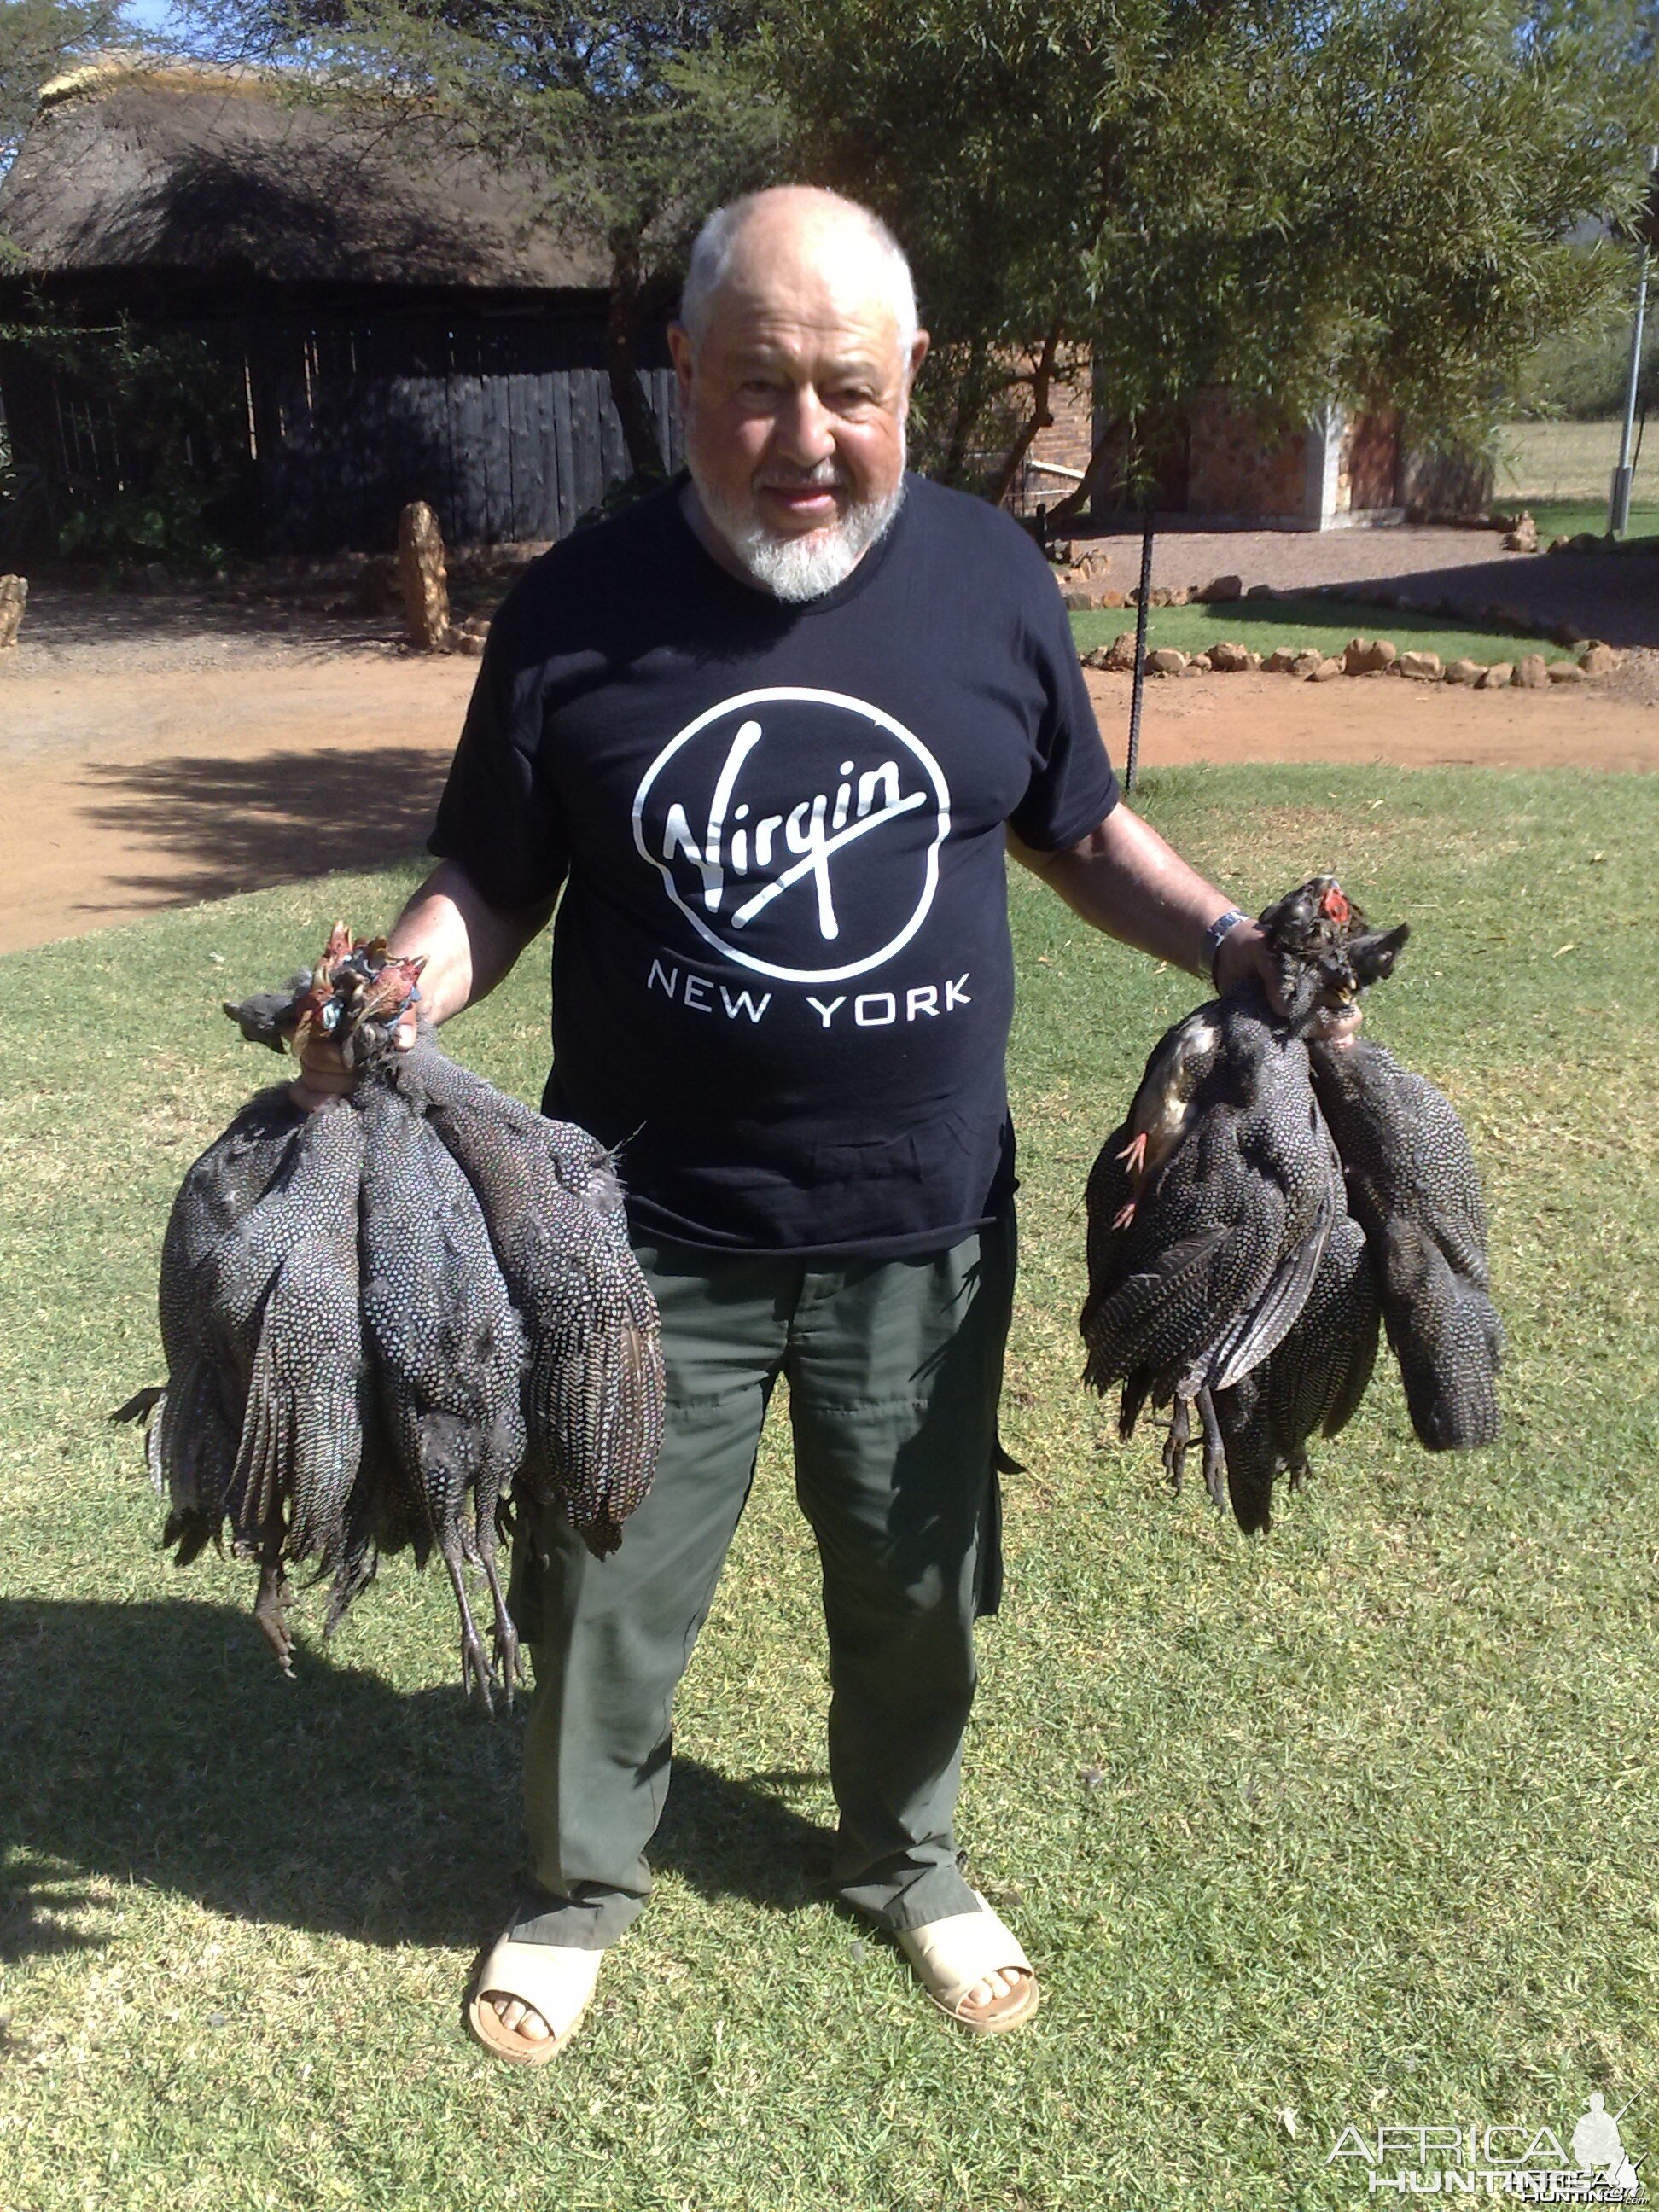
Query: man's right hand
{"x": 323, "y": 1079}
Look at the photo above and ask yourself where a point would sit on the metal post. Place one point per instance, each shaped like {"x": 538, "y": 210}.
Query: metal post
{"x": 1145, "y": 593}
{"x": 1618, "y": 504}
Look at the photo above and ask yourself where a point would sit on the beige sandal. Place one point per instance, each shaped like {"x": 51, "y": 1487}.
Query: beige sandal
{"x": 551, "y": 1978}
{"x": 953, "y": 1955}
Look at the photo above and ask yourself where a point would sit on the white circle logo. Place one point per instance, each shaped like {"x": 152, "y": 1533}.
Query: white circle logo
{"x": 797, "y": 831}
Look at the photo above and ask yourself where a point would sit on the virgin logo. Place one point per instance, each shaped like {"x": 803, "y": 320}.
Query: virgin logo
{"x": 797, "y": 830}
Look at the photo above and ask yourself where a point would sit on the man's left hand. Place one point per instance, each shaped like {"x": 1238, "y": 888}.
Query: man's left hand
{"x": 1245, "y": 953}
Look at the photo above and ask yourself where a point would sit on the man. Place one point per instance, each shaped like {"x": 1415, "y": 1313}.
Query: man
{"x": 772, "y": 732}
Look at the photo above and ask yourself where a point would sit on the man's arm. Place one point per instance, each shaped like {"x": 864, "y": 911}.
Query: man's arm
{"x": 469, "y": 946}
{"x": 1125, "y": 880}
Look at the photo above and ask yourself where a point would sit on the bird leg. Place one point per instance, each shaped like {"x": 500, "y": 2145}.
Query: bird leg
{"x": 1133, "y": 1157}
{"x": 1174, "y": 1444}
{"x": 474, "y": 1669}
{"x": 271, "y": 1607}
{"x": 509, "y": 1665}
{"x": 1215, "y": 1457}
{"x": 1298, "y": 1467}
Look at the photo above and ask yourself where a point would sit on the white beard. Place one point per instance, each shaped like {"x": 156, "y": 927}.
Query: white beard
{"x": 796, "y": 569}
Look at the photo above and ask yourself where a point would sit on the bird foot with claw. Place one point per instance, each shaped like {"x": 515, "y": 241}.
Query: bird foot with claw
{"x": 1175, "y": 1443}
{"x": 271, "y": 1608}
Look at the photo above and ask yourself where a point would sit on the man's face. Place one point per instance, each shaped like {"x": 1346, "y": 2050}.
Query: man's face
{"x": 795, "y": 397}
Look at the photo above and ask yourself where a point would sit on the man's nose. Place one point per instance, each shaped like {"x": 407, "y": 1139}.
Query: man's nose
{"x": 803, "y": 429}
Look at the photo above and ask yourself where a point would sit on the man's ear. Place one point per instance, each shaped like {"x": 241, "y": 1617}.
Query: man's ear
{"x": 918, "y": 352}
{"x": 681, "y": 352}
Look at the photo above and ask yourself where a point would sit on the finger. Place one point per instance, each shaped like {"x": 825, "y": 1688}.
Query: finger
{"x": 407, "y": 1031}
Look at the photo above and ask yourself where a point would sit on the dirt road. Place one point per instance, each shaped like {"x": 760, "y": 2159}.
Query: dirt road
{"x": 150, "y": 764}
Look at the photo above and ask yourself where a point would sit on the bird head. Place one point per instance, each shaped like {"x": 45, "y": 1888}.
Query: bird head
{"x": 357, "y": 994}
{"x": 1325, "y": 952}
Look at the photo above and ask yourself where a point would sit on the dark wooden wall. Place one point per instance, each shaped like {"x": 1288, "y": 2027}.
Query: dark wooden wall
{"x": 326, "y": 424}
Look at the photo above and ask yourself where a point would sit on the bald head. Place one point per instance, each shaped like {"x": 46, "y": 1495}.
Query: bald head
{"x": 795, "y": 350}
{"x": 793, "y": 232}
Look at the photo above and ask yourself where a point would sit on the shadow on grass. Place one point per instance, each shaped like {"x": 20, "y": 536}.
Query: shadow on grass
{"x": 218, "y": 826}
{"x": 157, "y": 1744}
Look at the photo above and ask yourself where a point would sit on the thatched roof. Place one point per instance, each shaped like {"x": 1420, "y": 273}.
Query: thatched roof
{"x": 178, "y": 171}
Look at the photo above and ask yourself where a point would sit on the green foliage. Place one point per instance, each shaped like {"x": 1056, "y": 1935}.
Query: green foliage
{"x": 1355, "y": 1823}
{"x": 1365, "y": 201}
{"x": 153, "y": 453}
{"x": 37, "y": 39}
{"x": 1581, "y": 376}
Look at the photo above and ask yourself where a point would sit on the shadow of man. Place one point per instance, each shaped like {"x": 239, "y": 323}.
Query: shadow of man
{"x": 155, "y": 1743}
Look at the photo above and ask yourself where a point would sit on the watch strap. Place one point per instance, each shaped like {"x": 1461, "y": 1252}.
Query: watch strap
{"x": 1222, "y": 926}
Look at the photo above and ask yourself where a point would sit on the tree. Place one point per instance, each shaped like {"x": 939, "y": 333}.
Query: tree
{"x": 38, "y": 39}
{"x": 626, "y": 114}
{"x": 1361, "y": 201}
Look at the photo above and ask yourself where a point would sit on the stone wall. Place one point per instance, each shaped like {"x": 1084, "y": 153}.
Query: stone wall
{"x": 1238, "y": 464}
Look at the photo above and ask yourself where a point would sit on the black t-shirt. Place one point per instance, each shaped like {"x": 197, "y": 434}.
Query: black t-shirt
{"x": 782, "y": 977}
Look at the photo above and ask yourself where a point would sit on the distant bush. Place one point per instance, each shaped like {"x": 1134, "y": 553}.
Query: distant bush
{"x": 1581, "y": 377}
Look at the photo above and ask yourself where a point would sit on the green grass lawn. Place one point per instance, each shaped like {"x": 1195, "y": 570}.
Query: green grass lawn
{"x": 1327, "y": 623}
{"x": 1567, "y": 518}
{"x": 1357, "y": 1824}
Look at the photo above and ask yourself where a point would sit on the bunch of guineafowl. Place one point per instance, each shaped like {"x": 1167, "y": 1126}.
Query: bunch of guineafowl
{"x": 409, "y": 1319}
{"x": 1271, "y": 1195}
{"x": 389, "y": 1324}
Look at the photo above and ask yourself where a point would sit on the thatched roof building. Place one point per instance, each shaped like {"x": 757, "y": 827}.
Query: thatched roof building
{"x": 212, "y": 177}
{"x": 389, "y": 317}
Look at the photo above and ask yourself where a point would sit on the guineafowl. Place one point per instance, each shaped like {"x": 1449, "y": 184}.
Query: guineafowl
{"x": 594, "y": 1400}
{"x": 1313, "y": 1381}
{"x": 449, "y": 1353}
{"x": 385, "y": 1321}
{"x": 1209, "y": 1213}
{"x": 1413, "y": 1186}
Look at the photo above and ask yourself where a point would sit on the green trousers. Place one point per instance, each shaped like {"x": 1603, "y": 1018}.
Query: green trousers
{"x": 894, "y": 1369}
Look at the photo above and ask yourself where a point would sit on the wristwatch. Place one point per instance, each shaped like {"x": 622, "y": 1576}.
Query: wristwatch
{"x": 1222, "y": 926}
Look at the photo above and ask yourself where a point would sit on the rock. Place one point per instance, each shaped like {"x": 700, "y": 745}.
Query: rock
{"x": 1559, "y": 545}
{"x": 1077, "y": 599}
{"x": 1166, "y": 661}
{"x": 1114, "y": 599}
{"x": 1252, "y": 662}
{"x": 1228, "y": 659}
{"x": 1094, "y": 561}
{"x": 1357, "y": 656}
{"x": 1422, "y": 667}
{"x": 1307, "y": 661}
{"x": 1061, "y": 552}
{"x": 1098, "y": 657}
{"x": 1566, "y": 672}
{"x": 1222, "y": 589}
{"x": 1585, "y": 542}
{"x": 1326, "y": 671}
{"x": 1567, "y": 632}
{"x": 1495, "y": 678}
{"x": 14, "y": 597}
{"x": 1522, "y": 536}
{"x": 1532, "y": 672}
{"x": 1594, "y": 660}
{"x": 1464, "y": 671}
{"x": 424, "y": 578}
{"x": 1259, "y": 592}
{"x": 1281, "y": 660}
{"x": 1199, "y": 665}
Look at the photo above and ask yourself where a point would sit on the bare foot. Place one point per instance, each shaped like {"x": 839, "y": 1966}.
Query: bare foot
{"x": 516, "y": 2017}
